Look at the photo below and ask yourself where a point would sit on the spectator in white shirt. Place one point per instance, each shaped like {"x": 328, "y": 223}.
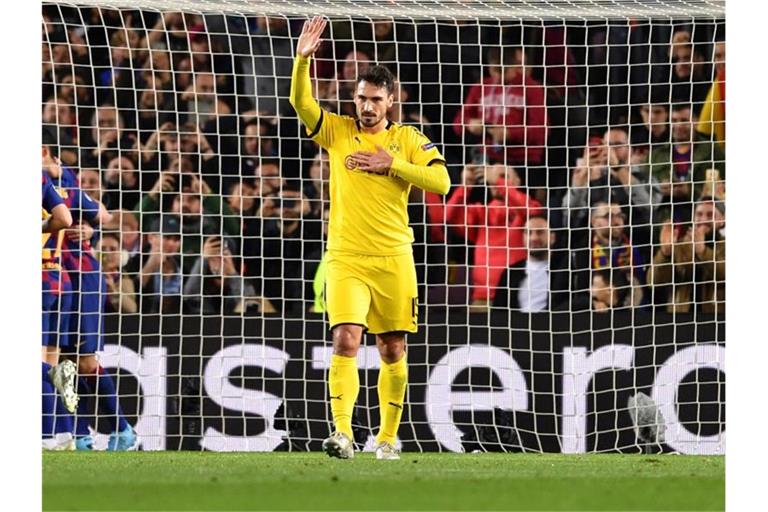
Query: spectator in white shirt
{"x": 539, "y": 282}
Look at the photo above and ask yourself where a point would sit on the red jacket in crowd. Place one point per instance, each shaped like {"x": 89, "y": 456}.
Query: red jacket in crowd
{"x": 520, "y": 106}
{"x": 496, "y": 230}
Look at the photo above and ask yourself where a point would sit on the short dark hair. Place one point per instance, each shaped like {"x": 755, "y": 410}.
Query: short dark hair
{"x": 51, "y": 139}
{"x": 676, "y": 107}
{"x": 380, "y": 76}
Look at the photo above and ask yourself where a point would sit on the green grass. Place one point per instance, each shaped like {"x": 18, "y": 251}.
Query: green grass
{"x": 283, "y": 481}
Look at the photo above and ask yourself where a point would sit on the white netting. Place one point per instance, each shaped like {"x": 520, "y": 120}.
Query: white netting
{"x": 578, "y": 308}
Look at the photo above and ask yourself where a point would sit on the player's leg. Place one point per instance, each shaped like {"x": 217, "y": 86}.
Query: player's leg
{"x": 348, "y": 299}
{"x": 392, "y": 383}
{"x": 343, "y": 388}
{"x": 393, "y": 314}
{"x": 84, "y": 419}
{"x": 50, "y": 327}
{"x": 57, "y": 419}
{"x": 343, "y": 376}
{"x": 102, "y": 385}
{"x": 49, "y": 402}
{"x": 56, "y": 316}
{"x": 97, "y": 379}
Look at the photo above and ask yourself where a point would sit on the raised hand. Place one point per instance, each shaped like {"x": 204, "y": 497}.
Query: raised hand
{"x": 309, "y": 40}
{"x": 667, "y": 238}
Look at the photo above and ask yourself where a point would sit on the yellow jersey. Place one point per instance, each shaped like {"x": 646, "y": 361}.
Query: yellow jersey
{"x": 369, "y": 211}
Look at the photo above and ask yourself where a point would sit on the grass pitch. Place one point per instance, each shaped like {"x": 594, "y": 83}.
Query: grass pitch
{"x": 303, "y": 481}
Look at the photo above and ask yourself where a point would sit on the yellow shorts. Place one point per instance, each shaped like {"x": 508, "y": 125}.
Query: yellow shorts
{"x": 377, "y": 292}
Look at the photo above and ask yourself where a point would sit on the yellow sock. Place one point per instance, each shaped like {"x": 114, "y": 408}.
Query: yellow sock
{"x": 393, "y": 379}
{"x": 343, "y": 385}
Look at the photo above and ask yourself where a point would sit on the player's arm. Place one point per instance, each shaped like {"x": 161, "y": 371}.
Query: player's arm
{"x": 92, "y": 210}
{"x": 432, "y": 177}
{"x": 301, "y": 99}
{"x": 61, "y": 218}
{"x": 425, "y": 167}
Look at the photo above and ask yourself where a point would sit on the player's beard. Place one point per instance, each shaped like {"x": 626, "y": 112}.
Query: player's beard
{"x": 370, "y": 121}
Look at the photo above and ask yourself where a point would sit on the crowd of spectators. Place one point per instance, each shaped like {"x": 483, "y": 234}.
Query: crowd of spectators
{"x": 586, "y": 176}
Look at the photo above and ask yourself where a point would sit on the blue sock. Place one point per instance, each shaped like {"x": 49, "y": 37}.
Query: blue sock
{"x": 107, "y": 398}
{"x": 49, "y": 402}
{"x": 84, "y": 419}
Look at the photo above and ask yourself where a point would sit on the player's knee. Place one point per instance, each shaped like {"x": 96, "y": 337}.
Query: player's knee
{"x": 88, "y": 365}
{"x": 346, "y": 340}
{"x": 391, "y": 347}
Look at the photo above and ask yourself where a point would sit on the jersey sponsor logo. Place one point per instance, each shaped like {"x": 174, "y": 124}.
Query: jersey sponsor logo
{"x": 427, "y": 147}
{"x": 394, "y": 147}
{"x": 351, "y": 164}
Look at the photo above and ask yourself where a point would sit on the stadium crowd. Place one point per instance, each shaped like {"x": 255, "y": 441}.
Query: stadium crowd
{"x": 587, "y": 160}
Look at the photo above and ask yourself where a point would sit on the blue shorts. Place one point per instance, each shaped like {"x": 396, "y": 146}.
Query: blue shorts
{"x": 88, "y": 303}
{"x": 57, "y": 313}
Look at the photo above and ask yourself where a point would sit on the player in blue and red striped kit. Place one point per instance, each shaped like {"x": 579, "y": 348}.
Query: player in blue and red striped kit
{"x": 85, "y": 325}
{"x": 56, "y": 301}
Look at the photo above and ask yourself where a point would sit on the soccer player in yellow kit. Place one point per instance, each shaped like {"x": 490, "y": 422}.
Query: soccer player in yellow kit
{"x": 370, "y": 273}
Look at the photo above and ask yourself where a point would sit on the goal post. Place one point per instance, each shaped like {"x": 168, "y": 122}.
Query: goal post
{"x": 571, "y": 283}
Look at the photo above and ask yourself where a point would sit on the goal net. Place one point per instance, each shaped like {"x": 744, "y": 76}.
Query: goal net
{"x": 571, "y": 283}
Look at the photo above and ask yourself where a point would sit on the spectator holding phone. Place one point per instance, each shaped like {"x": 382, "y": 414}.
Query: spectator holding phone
{"x": 604, "y": 174}
{"x": 200, "y": 211}
{"x": 289, "y": 233}
{"x": 215, "y": 285}
{"x": 490, "y": 209}
{"x": 161, "y": 277}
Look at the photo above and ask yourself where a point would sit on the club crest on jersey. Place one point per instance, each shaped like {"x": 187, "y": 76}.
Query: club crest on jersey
{"x": 394, "y": 147}
{"x": 350, "y": 163}
{"x": 427, "y": 147}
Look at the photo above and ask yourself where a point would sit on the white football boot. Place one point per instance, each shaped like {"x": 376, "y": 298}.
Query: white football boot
{"x": 339, "y": 445}
{"x": 385, "y": 451}
{"x": 63, "y": 377}
{"x": 59, "y": 442}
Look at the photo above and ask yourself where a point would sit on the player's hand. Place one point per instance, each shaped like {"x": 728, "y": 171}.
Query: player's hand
{"x": 378, "y": 163}
{"x": 79, "y": 232}
{"x": 309, "y": 40}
